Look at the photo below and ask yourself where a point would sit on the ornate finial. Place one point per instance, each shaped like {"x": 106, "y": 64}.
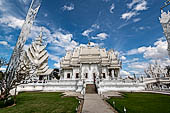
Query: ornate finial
{"x": 39, "y": 38}
{"x": 41, "y": 33}
{"x": 162, "y": 11}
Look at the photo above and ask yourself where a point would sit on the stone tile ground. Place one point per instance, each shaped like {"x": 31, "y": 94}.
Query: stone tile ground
{"x": 93, "y": 103}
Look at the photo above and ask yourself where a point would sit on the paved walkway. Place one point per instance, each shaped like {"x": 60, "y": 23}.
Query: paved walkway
{"x": 93, "y": 103}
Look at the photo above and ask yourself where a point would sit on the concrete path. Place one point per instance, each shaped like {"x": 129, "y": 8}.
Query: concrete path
{"x": 93, "y": 103}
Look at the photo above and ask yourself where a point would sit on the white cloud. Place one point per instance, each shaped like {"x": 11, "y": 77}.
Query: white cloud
{"x": 130, "y": 5}
{"x": 136, "y": 19}
{"x": 131, "y": 61}
{"x": 58, "y": 39}
{"x": 135, "y": 6}
{"x": 141, "y": 6}
{"x": 45, "y": 15}
{"x": 25, "y": 1}
{"x": 86, "y": 32}
{"x": 57, "y": 49}
{"x": 158, "y": 51}
{"x": 112, "y": 8}
{"x": 141, "y": 28}
{"x": 54, "y": 57}
{"x": 129, "y": 15}
{"x": 100, "y": 36}
{"x": 65, "y": 41}
{"x": 124, "y": 73}
{"x": 68, "y": 7}
{"x": 5, "y": 43}
{"x": 93, "y": 44}
{"x": 2, "y": 69}
{"x": 12, "y": 22}
{"x": 138, "y": 65}
{"x": 96, "y": 26}
{"x": 123, "y": 58}
{"x": 57, "y": 65}
{"x": 3, "y": 7}
{"x": 132, "y": 52}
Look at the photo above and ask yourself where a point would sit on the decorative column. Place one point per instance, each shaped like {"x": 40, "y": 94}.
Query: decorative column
{"x": 113, "y": 74}
{"x": 165, "y": 21}
{"x": 18, "y": 49}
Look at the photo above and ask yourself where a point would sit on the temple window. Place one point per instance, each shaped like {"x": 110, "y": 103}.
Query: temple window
{"x": 104, "y": 76}
{"x": 77, "y": 75}
{"x": 68, "y": 75}
{"x": 86, "y": 76}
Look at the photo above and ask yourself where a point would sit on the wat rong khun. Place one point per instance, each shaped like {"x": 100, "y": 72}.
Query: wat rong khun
{"x": 86, "y": 69}
{"x": 85, "y": 66}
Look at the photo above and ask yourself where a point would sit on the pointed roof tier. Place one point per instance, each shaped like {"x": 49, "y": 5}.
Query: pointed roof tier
{"x": 37, "y": 54}
{"x": 91, "y": 54}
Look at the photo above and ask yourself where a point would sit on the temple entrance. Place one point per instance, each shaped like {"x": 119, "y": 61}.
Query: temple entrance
{"x": 91, "y": 88}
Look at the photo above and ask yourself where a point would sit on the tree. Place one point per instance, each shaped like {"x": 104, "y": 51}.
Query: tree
{"x": 55, "y": 73}
{"x": 1, "y": 75}
{"x": 12, "y": 76}
{"x": 3, "y": 62}
{"x": 25, "y": 70}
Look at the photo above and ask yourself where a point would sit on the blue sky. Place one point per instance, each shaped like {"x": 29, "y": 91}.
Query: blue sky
{"x": 130, "y": 27}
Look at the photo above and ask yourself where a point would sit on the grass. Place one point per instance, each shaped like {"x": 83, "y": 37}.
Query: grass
{"x": 36, "y": 102}
{"x": 142, "y": 103}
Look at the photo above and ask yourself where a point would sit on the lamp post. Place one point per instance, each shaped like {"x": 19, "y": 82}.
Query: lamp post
{"x": 114, "y": 104}
{"x": 124, "y": 109}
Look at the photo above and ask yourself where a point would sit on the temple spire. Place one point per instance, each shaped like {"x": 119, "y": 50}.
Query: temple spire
{"x": 39, "y": 39}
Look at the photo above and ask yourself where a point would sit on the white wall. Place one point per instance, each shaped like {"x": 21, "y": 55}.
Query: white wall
{"x": 75, "y": 70}
{"x": 90, "y": 69}
{"x": 65, "y": 74}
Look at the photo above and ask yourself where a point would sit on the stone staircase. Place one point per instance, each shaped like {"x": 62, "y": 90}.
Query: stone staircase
{"x": 91, "y": 88}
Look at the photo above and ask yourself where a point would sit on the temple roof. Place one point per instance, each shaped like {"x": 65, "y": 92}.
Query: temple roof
{"x": 37, "y": 54}
{"x": 90, "y": 54}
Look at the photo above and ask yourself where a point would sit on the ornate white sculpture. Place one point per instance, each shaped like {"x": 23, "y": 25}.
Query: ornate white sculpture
{"x": 155, "y": 71}
{"x": 37, "y": 54}
{"x": 165, "y": 21}
{"x": 14, "y": 62}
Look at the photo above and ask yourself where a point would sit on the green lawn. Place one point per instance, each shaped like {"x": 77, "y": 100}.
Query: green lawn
{"x": 35, "y": 102}
{"x": 142, "y": 103}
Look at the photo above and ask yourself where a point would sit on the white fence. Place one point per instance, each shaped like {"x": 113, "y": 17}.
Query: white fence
{"x": 53, "y": 86}
{"x": 112, "y": 85}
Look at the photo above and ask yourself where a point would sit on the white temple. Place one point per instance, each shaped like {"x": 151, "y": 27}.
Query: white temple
{"x": 37, "y": 54}
{"x": 86, "y": 67}
{"x": 90, "y": 63}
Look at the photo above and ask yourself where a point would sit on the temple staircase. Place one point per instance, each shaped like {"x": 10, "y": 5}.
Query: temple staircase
{"x": 91, "y": 88}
